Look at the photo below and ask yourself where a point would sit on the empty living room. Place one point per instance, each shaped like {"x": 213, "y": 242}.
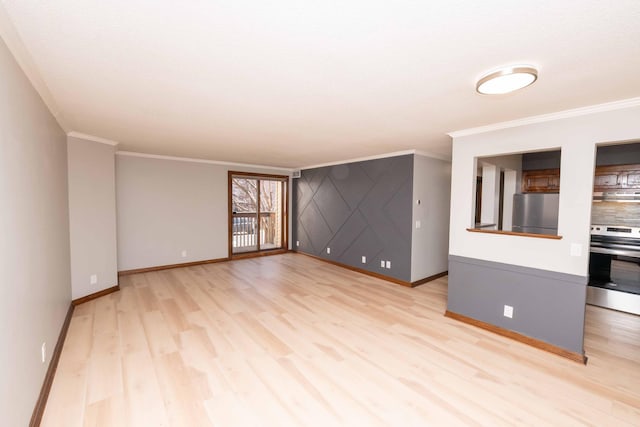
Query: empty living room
{"x": 243, "y": 213}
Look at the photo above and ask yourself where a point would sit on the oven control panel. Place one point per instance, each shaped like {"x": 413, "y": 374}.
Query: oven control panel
{"x": 615, "y": 230}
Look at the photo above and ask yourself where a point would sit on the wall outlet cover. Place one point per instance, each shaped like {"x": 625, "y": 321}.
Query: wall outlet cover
{"x": 418, "y": 224}
{"x": 297, "y": 242}
{"x": 382, "y": 264}
{"x": 43, "y": 352}
{"x": 508, "y": 311}
{"x": 364, "y": 259}
{"x": 328, "y": 250}
{"x": 93, "y": 279}
{"x": 183, "y": 253}
{"x": 388, "y": 264}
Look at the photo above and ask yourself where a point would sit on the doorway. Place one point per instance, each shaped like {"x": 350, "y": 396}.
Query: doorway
{"x": 257, "y": 213}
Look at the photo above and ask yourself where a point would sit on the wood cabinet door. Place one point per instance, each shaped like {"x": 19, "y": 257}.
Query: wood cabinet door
{"x": 616, "y": 177}
{"x": 632, "y": 179}
{"x": 541, "y": 181}
{"x": 607, "y": 180}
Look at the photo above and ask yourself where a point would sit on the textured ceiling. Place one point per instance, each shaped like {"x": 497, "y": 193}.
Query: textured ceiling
{"x": 293, "y": 83}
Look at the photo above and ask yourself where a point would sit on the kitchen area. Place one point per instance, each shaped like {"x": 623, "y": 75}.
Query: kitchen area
{"x": 519, "y": 194}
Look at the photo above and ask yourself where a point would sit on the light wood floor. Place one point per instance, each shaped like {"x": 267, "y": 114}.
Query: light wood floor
{"x": 289, "y": 340}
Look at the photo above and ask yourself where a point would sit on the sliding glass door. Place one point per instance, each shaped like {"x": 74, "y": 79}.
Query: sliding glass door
{"x": 257, "y": 214}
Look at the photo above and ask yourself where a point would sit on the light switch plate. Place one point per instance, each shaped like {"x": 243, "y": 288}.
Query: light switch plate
{"x": 576, "y": 249}
{"x": 508, "y": 311}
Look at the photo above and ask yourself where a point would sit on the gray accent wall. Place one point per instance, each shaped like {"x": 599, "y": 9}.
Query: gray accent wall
{"x": 607, "y": 155}
{"x": 548, "y": 306}
{"x": 92, "y": 216}
{"x": 34, "y": 222}
{"x": 357, "y": 209}
{"x": 541, "y": 160}
{"x": 623, "y": 154}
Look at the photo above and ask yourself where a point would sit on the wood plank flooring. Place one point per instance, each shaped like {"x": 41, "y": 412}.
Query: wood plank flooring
{"x": 289, "y": 340}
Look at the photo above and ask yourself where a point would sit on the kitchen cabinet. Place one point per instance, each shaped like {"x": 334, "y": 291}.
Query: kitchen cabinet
{"x": 607, "y": 178}
{"x": 541, "y": 181}
{"x": 620, "y": 177}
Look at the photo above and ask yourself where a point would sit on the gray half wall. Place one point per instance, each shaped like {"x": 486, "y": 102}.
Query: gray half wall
{"x": 357, "y": 209}
{"x": 548, "y": 306}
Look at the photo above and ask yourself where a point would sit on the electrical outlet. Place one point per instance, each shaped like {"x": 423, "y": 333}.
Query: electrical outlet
{"x": 328, "y": 250}
{"x": 184, "y": 253}
{"x": 508, "y": 311}
{"x": 388, "y": 264}
{"x": 43, "y": 351}
{"x": 382, "y": 264}
{"x": 93, "y": 279}
{"x": 297, "y": 242}
{"x": 364, "y": 259}
{"x": 418, "y": 224}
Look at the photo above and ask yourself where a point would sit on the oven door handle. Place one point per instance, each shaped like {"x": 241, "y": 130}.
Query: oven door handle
{"x": 622, "y": 252}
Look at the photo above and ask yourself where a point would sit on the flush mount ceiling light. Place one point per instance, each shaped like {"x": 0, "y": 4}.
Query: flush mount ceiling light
{"x": 507, "y": 79}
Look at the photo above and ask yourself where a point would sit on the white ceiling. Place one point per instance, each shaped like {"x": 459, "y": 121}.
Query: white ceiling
{"x": 293, "y": 82}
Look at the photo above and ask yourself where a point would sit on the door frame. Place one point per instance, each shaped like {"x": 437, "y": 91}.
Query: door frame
{"x": 284, "y": 206}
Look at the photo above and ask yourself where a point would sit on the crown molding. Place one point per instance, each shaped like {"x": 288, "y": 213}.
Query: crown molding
{"x": 25, "y": 61}
{"x": 192, "y": 160}
{"x": 599, "y": 108}
{"x": 88, "y": 137}
{"x": 446, "y": 158}
{"x": 379, "y": 156}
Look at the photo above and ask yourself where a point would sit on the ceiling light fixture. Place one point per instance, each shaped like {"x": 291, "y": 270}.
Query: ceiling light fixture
{"x": 507, "y": 79}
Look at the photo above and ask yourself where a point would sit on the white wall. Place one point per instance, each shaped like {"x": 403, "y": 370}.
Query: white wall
{"x": 92, "y": 215}
{"x": 429, "y": 243}
{"x": 35, "y": 291}
{"x": 577, "y": 137}
{"x": 167, "y": 206}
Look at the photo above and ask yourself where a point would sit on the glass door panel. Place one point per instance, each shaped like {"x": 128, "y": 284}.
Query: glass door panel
{"x": 270, "y": 214}
{"x": 244, "y": 206}
{"x": 258, "y": 213}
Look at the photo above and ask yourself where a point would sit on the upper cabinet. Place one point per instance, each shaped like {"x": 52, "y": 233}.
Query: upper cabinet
{"x": 620, "y": 177}
{"x": 541, "y": 181}
{"x": 607, "y": 178}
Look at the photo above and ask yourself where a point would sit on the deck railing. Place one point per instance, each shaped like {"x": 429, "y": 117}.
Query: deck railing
{"x": 245, "y": 230}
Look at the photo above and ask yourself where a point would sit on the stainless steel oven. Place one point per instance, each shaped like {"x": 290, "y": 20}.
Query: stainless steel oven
{"x": 614, "y": 268}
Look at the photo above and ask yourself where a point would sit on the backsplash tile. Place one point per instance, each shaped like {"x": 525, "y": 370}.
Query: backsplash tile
{"x": 616, "y": 213}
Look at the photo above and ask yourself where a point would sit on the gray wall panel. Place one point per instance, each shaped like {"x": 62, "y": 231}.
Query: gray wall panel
{"x": 625, "y": 154}
{"x": 34, "y": 242}
{"x": 92, "y": 216}
{"x": 547, "y": 306}
{"x": 358, "y": 209}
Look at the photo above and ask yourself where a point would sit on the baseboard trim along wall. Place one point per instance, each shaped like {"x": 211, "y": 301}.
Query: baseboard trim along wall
{"x": 95, "y": 295}
{"x": 170, "y": 266}
{"x": 374, "y": 274}
{"x": 544, "y": 305}
{"x": 258, "y": 254}
{"x": 429, "y": 279}
{"x": 38, "y": 410}
{"x": 576, "y": 357}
